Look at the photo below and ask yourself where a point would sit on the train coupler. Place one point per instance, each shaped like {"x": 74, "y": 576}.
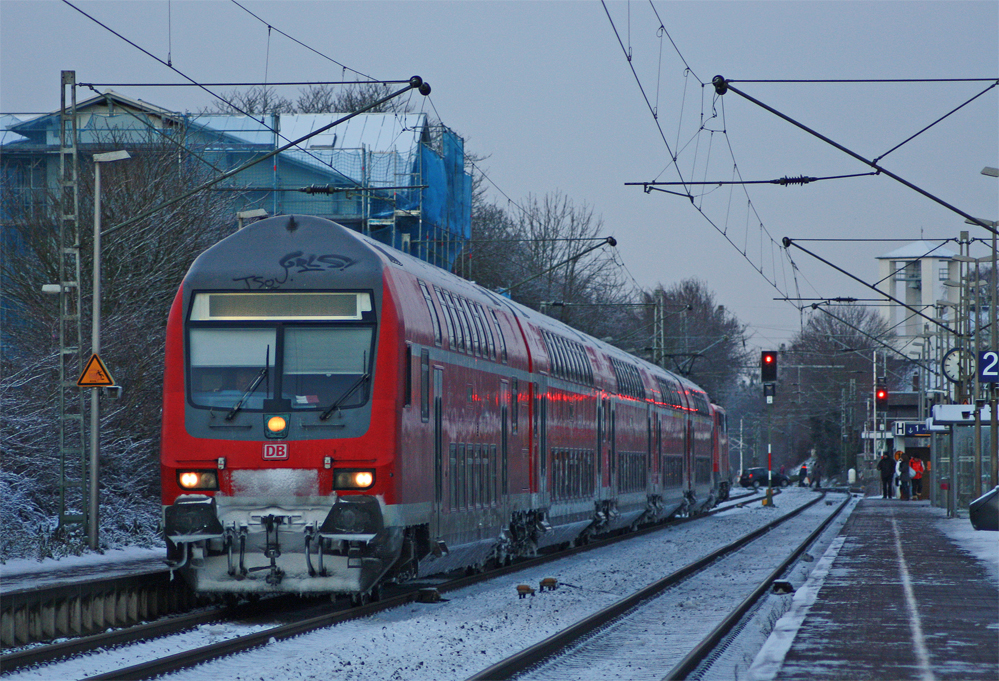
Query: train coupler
{"x": 272, "y": 549}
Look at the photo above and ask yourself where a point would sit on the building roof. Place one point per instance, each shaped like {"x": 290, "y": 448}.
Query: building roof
{"x": 918, "y": 250}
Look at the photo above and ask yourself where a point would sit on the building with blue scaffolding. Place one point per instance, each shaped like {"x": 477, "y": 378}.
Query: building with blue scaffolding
{"x": 397, "y": 177}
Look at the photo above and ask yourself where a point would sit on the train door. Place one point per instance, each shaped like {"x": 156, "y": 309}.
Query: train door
{"x": 688, "y": 453}
{"x": 660, "y": 463}
{"x": 438, "y": 447}
{"x": 648, "y": 448}
{"x": 505, "y": 400}
{"x": 600, "y": 447}
{"x": 541, "y": 437}
{"x": 612, "y": 451}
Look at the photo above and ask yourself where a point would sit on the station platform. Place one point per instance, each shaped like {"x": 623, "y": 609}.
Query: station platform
{"x": 898, "y": 599}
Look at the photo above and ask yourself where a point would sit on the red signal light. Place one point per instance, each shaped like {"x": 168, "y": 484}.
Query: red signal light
{"x": 768, "y": 366}
{"x": 881, "y": 395}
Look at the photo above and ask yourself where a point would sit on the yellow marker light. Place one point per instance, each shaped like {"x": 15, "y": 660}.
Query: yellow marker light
{"x": 276, "y": 424}
{"x": 352, "y": 478}
{"x": 198, "y": 480}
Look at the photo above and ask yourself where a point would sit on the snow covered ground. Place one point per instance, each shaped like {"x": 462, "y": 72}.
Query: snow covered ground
{"x": 27, "y": 574}
{"x": 474, "y": 628}
{"x": 482, "y": 624}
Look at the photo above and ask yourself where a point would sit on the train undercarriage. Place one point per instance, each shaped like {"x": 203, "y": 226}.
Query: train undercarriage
{"x": 244, "y": 546}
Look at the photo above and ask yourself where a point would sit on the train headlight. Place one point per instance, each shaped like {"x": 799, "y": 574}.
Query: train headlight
{"x": 198, "y": 480}
{"x": 276, "y": 426}
{"x": 353, "y": 478}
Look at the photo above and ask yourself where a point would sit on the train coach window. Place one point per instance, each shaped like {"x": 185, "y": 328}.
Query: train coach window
{"x": 452, "y": 336}
{"x": 326, "y": 365}
{"x": 433, "y": 313}
{"x": 502, "y": 338}
{"x": 226, "y": 362}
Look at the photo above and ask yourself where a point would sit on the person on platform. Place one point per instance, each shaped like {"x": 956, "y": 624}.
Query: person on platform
{"x": 904, "y": 477}
{"x": 802, "y": 475}
{"x": 887, "y": 469}
{"x": 916, "y": 467}
{"x": 816, "y": 475}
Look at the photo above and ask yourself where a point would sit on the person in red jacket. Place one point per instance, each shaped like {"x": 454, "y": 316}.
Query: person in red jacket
{"x": 916, "y": 464}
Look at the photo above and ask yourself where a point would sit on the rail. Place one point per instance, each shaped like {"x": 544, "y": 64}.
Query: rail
{"x": 533, "y": 655}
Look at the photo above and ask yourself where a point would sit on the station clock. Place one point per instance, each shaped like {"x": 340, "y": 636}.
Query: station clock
{"x": 958, "y": 364}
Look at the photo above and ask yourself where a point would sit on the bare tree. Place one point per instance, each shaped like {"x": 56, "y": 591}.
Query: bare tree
{"x": 701, "y": 339}
{"x": 144, "y": 263}
{"x": 355, "y": 97}
{"x": 556, "y": 234}
{"x": 259, "y": 99}
{"x": 826, "y": 379}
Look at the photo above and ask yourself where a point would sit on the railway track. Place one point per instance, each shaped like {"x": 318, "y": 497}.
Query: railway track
{"x": 641, "y": 615}
{"x": 309, "y": 616}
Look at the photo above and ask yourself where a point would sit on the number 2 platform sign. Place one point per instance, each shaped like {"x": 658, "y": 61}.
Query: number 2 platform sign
{"x": 988, "y": 367}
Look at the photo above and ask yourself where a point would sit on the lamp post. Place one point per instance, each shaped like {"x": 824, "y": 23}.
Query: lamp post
{"x": 95, "y": 343}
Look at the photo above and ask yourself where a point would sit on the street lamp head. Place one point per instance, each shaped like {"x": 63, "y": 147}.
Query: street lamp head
{"x": 109, "y": 156}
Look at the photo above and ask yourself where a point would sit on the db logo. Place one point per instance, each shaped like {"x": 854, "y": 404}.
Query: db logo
{"x": 274, "y": 452}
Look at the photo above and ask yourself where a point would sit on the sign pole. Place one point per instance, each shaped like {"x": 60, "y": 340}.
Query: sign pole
{"x": 95, "y": 344}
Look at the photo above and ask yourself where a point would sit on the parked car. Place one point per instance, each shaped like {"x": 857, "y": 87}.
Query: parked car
{"x": 757, "y": 477}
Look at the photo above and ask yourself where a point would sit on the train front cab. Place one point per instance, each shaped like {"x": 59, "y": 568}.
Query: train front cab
{"x": 273, "y": 478}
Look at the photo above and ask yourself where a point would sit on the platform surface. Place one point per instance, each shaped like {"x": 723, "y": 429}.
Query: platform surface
{"x": 901, "y": 600}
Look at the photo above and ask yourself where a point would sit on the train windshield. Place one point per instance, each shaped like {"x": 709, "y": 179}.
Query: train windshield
{"x": 277, "y": 351}
{"x": 320, "y": 364}
{"x": 226, "y": 363}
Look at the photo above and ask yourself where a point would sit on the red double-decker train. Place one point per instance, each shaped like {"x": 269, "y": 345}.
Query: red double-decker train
{"x": 338, "y": 415}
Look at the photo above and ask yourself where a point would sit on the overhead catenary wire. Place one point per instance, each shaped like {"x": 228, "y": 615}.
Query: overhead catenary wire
{"x": 772, "y": 278}
{"x": 299, "y": 42}
{"x": 415, "y": 83}
{"x": 783, "y": 181}
{"x": 722, "y": 86}
{"x": 873, "y": 338}
{"x": 789, "y": 242}
{"x": 194, "y": 83}
{"x": 300, "y": 83}
{"x": 768, "y": 271}
{"x": 645, "y": 96}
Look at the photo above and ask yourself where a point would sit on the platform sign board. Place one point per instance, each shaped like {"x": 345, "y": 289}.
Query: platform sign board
{"x": 95, "y": 375}
{"x": 906, "y": 429}
{"x": 988, "y": 366}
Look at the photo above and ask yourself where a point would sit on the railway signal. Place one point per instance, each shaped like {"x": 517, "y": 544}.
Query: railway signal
{"x": 881, "y": 396}
{"x": 768, "y": 366}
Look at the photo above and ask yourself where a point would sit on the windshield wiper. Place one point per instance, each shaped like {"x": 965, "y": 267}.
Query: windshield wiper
{"x": 254, "y": 384}
{"x": 336, "y": 404}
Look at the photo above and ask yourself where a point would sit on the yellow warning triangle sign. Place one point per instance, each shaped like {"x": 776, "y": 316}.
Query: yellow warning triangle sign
{"x": 95, "y": 375}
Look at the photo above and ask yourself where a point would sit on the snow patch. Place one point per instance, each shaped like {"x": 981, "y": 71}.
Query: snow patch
{"x": 269, "y": 482}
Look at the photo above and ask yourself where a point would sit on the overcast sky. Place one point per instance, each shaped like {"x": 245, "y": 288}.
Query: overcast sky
{"x": 544, "y": 91}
